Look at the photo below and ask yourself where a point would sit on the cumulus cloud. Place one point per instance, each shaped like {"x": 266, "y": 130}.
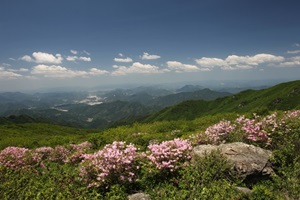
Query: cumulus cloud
{"x": 41, "y": 57}
{"x": 55, "y": 71}
{"x": 86, "y": 59}
{"x": 26, "y": 58}
{"x": 137, "y": 68}
{"x": 234, "y": 62}
{"x": 211, "y": 62}
{"x": 291, "y": 62}
{"x": 180, "y": 67}
{"x": 125, "y": 60}
{"x": 75, "y": 58}
{"x": 96, "y": 72}
{"x": 5, "y": 74}
{"x": 147, "y": 56}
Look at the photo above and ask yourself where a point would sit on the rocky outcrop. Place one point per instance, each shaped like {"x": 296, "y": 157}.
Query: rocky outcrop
{"x": 249, "y": 162}
{"x": 139, "y": 196}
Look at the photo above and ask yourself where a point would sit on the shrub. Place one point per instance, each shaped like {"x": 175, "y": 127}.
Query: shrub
{"x": 14, "y": 158}
{"x": 219, "y": 132}
{"x": 115, "y": 163}
{"x": 170, "y": 155}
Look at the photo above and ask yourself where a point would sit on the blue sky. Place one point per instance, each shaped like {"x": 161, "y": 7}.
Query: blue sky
{"x": 77, "y": 43}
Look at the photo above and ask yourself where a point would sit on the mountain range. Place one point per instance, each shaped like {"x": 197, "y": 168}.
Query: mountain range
{"x": 99, "y": 109}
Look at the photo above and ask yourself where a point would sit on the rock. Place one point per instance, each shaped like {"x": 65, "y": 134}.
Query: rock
{"x": 244, "y": 190}
{"x": 249, "y": 162}
{"x": 139, "y": 196}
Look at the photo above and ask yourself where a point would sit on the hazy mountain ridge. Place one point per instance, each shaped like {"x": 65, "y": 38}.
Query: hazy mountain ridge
{"x": 102, "y": 109}
{"x": 284, "y": 96}
{"x": 97, "y": 109}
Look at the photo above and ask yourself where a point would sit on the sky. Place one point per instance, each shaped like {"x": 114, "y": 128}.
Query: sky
{"x": 91, "y": 43}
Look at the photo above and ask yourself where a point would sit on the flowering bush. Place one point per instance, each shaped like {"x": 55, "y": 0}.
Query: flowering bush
{"x": 14, "y": 158}
{"x": 59, "y": 154}
{"x": 252, "y": 130}
{"x": 81, "y": 147}
{"x": 170, "y": 155}
{"x": 115, "y": 163}
{"x": 44, "y": 152}
{"x": 219, "y": 132}
{"x": 77, "y": 151}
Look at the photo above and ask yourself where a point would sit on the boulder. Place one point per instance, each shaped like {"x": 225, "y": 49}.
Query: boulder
{"x": 139, "y": 196}
{"x": 249, "y": 162}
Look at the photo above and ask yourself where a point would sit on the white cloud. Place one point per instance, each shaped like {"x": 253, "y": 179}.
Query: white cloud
{"x": 292, "y": 62}
{"x": 41, "y": 57}
{"x": 27, "y": 58}
{"x": 75, "y": 58}
{"x": 19, "y": 70}
{"x": 95, "y": 72}
{"x": 137, "y": 68}
{"x": 121, "y": 55}
{"x": 86, "y": 59}
{"x": 180, "y": 67}
{"x": 73, "y": 52}
{"x": 71, "y": 58}
{"x": 210, "y": 62}
{"x": 253, "y": 60}
{"x": 125, "y": 60}
{"x": 293, "y": 52}
{"x": 55, "y": 71}
{"x": 234, "y": 62}
{"x": 4, "y": 74}
{"x": 147, "y": 56}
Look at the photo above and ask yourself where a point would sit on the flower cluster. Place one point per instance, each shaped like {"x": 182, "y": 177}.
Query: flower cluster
{"x": 44, "y": 152}
{"x": 14, "y": 158}
{"x": 293, "y": 114}
{"x": 81, "y": 147}
{"x": 170, "y": 155}
{"x": 253, "y": 130}
{"x": 77, "y": 151}
{"x": 115, "y": 163}
{"x": 219, "y": 132}
{"x": 59, "y": 154}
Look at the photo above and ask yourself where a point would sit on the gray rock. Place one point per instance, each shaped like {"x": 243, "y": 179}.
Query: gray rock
{"x": 248, "y": 161}
{"x": 244, "y": 190}
{"x": 139, "y": 196}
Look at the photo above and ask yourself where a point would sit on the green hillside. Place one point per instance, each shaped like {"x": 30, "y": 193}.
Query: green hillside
{"x": 33, "y": 135}
{"x": 284, "y": 96}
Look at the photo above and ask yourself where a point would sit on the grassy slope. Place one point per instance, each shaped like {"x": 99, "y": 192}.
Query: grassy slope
{"x": 39, "y": 134}
{"x": 284, "y": 96}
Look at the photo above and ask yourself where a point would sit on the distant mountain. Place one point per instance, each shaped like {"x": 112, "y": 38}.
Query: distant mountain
{"x": 189, "y": 88}
{"x": 172, "y": 99}
{"x": 284, "y": 96}
{"x": 164, "y": 98}
{"x": 102, "y": 109}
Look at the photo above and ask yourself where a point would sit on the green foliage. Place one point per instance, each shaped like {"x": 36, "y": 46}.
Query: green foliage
{"x": 53, "y": 182}
{"x": 32, "y": 135}
{"x": 205, "y": 178}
